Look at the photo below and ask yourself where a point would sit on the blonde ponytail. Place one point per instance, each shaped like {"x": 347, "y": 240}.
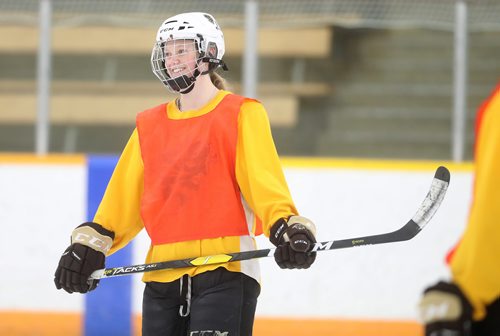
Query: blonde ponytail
{"x": 218, "y": 81}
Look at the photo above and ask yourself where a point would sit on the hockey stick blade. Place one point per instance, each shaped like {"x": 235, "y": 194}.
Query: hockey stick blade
{"x": 423, "y": 215}
{"x": 427, "y": 209}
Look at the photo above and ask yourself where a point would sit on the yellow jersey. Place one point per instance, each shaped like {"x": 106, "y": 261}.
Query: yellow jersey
{"x": 263, "y": 192}
{"x": 475, "y": 264}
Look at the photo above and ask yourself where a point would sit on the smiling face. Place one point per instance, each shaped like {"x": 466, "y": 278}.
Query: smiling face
{"x": 180, "y": 58}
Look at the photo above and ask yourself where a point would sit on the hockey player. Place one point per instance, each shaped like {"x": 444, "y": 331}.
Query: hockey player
{"x": 201, "y": 174}
{"x": 469, "y": 304}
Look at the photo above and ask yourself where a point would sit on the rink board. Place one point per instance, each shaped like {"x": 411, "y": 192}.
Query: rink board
{"x": 352, "y": 291}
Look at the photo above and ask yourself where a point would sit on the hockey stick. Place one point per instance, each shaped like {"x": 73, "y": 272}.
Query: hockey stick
{"x": 424, "y": 214}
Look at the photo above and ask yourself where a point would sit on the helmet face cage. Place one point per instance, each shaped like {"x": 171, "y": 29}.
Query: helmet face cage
{"x": 176, "y": 63}
{"x": 198, "y": 30}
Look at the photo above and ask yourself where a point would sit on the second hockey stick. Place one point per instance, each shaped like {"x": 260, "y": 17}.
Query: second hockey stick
{"x": 423, "y": 215}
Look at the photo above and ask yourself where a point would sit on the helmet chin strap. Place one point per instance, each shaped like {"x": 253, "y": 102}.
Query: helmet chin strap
{"x": 188, "y": 89}
{"x": 190, "y": 82}
{"x": 185, "y": 84}
{"x": 197, "y": 73}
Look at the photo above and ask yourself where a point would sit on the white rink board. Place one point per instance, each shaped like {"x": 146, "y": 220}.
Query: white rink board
{"x": 41, "y": 204}
{"x": 382, "y": 281}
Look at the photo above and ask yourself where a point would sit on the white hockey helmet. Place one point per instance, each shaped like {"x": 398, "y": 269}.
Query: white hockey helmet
{"x": 208, "y": 39}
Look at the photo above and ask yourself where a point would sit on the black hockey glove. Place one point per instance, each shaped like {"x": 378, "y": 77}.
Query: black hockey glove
{"x": 89, "y": 244}
{"x": 294, "y": 240}
{"x": 445, "y": 310}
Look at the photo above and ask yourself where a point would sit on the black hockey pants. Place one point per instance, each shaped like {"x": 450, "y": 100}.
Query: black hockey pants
{"x": 490, "y": 326}
{"x": 218, "y": 302}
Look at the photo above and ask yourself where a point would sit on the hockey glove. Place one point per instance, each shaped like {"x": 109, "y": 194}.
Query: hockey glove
{"x": 89, "y": 244}
{"x": 445, "y": 310}
{"x": 294, "y": 239}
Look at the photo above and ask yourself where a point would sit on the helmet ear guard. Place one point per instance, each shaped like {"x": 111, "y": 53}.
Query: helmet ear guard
{"x": 210, "y": 57}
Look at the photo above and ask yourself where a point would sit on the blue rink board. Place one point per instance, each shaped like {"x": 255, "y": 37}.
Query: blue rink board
{"x": 108, "y": 309}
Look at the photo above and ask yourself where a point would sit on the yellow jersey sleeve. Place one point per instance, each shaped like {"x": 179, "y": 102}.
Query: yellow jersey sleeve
{"x": 475, "y": 265}
{"x": 119, "y": 210}
{"x": 258, "y": 168}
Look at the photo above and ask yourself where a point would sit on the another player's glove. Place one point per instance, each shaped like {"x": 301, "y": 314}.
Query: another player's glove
{"x": 445, "y": 310}
{"x": 89, "y": 244}
{"x": 294, "y": 239}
